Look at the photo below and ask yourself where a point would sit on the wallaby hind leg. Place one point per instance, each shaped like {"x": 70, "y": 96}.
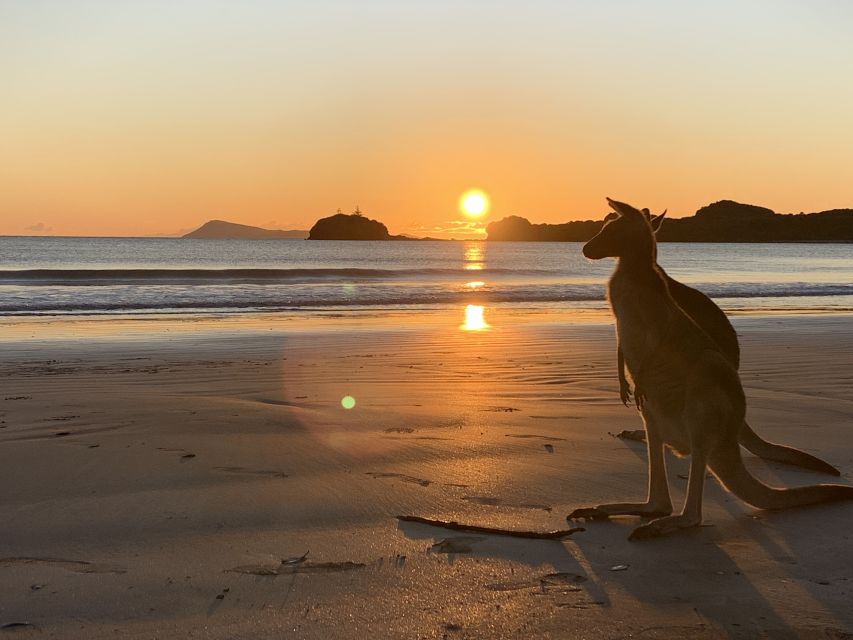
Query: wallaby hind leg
{"x": 709, "y": 422}
{"x": 691, "y": 514}
{"x": 658, "y": 502}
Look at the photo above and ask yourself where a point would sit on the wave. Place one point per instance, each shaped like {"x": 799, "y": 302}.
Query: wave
{"x": 289, "y": 297}
{"x": 108, "y": 277}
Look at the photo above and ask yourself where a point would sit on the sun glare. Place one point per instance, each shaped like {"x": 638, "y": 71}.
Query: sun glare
{"x": 474, "y": 203}
{"x": 474, "y": 320}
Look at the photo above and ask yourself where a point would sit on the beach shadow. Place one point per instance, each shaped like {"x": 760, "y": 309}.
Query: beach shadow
{"x": 688, "y": 570}
{"x": 732, "y": 571}
{"x": 557, "y": 570}
{"x": 811, "y": 542}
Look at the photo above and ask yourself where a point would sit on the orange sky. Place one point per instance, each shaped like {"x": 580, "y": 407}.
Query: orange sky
{"x": 151, "y": 118}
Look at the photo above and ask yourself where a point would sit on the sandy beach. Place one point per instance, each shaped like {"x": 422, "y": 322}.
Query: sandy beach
{"x": 174, "y": 478}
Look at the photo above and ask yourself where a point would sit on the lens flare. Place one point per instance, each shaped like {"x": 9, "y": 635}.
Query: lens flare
{"x": 347, "y": 402}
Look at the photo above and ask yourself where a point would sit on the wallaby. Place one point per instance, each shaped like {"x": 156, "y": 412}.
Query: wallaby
{"x": 693, "y": 398}
{"x": 713, "y": 320}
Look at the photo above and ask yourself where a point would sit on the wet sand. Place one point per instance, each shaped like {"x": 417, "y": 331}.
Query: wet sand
{"x": 201, "y": 479}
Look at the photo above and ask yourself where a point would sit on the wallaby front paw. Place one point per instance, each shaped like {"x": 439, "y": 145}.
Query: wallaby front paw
{"x": 639, "y": 399}
{"x": 625, "y": 393}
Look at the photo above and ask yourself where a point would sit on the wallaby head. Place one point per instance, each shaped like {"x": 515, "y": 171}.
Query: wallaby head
{"x": 627, "y": 234}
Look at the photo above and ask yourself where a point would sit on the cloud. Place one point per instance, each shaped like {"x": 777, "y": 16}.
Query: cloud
{"x": 39, "y": 227}
{"x": 458, "y": 227}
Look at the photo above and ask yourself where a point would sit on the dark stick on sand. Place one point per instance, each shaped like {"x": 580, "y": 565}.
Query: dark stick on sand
{"x": 539, "y": 535}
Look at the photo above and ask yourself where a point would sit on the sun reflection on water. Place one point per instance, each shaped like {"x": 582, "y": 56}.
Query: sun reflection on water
{"x": 474, "y": 256}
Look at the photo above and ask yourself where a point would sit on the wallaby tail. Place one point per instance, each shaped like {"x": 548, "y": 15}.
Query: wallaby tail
{"x": 728, "y": 466}
{"x": 780, "y": 453}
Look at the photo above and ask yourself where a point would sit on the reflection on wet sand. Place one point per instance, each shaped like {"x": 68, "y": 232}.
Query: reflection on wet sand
{"x": 474, "y": 319}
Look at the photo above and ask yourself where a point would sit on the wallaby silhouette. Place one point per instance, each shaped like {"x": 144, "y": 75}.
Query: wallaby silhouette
{"x": 693, "y": 398}
{"x": 713, "y": 321}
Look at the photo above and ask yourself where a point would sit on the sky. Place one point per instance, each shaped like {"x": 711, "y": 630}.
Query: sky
{"x": 147, "y": 118}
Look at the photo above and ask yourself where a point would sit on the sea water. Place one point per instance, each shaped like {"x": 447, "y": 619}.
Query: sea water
{"x": 81, "y": 276}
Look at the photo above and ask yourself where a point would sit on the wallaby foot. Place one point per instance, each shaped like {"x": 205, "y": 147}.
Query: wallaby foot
{"x": 664, "y": 526}
{"x": 604, "y": 511}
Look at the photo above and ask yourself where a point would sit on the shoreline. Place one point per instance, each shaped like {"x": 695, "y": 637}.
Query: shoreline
{"x": 149, "y": 468}
{"x": 360, "y": 319}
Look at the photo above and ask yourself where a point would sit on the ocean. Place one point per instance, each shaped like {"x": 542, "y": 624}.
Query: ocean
{"x": 84, "y": 276}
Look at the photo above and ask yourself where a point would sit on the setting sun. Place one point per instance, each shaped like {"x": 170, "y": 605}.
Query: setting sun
{"x": 474, "y": 203}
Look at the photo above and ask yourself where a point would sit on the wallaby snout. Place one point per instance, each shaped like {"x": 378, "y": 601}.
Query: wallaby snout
{"x": 593, "y": 250}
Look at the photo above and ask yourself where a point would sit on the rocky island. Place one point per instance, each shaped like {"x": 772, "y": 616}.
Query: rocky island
{"x": 353, "y": 226}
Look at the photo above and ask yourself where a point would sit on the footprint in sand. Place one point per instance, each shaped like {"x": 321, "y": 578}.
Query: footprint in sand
{"x": 242, "y": 471}
{"x": 492, "y": 501}
{"x": 15, "y": 627}
{"x": 77, "y": 566}
{"x": 400, "y": 476}
{"x": 637, "y": 435}
{"x": 456, "y": 544}
{"x": 185, "y": 455}
{"x": 289, "y": 568}
{"x": 550, "y": 582}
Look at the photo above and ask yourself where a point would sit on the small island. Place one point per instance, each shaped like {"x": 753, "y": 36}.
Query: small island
{"x": 343, "y": 226}
{"x": 353, "y": 226}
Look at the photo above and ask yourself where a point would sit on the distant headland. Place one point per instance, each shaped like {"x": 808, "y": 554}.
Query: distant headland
{"x": 723, "y": 221}
{"x": 225, "y": 230}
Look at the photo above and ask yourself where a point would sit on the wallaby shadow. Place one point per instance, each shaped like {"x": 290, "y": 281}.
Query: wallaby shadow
{"x": 732, "y": 569}
{"x": 556, "y": 566}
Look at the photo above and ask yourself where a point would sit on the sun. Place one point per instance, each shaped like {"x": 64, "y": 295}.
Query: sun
{"x": 474, "y": 203}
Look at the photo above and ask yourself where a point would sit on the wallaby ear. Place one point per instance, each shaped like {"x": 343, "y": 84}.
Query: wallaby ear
{"x": 623, "y": 209}
{"x": 657, "y": 221}
{"x": 613, "y": 206}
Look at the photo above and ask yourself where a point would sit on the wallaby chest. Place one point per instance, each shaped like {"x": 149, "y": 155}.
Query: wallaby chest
{"x": 642, "y": 318}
